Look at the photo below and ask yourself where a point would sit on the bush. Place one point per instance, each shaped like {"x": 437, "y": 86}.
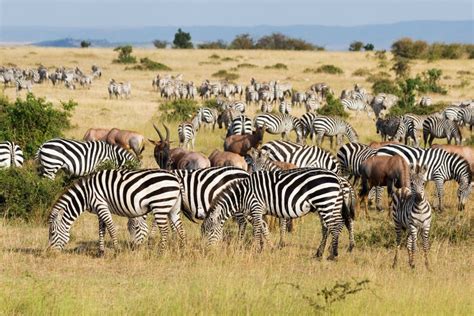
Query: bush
{"x": 33, "y": 121}
{"x": 278, "y": 66}
{"x": 242, "y": 41}
{"x": 211, "y": 103}
{"x": 246, "y": 65}
{"x": 333, "y": 107}
{"x": 228, "y": 59}
{"x": 401, "y": 67}
{"x": 214, "y": 56}
{"x": 369, "y": 47}
{"x": 384, "y": 86}
{"x": 329, "y": 69}
{"x": 125, "y": 55}
{"x": 27, "y": 196}
{"x": 223, "y": 74}
{"x": 361, "y": 72}
{"x": 381, "y": 75}
{"x": 160, "y": 44}
{"x": 407, "y": 48}
{"x": 85, "y": 44}
{"x": 220, "y": 44}
{"x": 148, "y": 64}
{"x": 182, "y": 40}
{"x": 430, "y": 81}
{"x": 356, "y": 46}
{"x": 178, "y": 110}
{"x": 279, "y": 41}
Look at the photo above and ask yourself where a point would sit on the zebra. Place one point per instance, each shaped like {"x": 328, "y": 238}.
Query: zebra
{"x": 280, "y": 124}
{"x": 414, "y": 124}
{"x": 284, "y": 194}
{"x": 208, "y": 116}
{"x": 462, "y": 116}
{"x": 425, "y": 101}
{"x": 413, "y": 214}
{"x": 333, "y": 126}
{"x": 226, "y": 117}
{"x": 22, "y": 84}
{"x": 236, "y": 105}
{"x": 266, "y": 107}
{"x": 10, "y": 155}
{"x": 240, "y": 125}
{"x": 285, "y": 107}
{"x": 298, "y": 98}
{"x": 198, "y": 188}
{"x": 312, "y": 105}
{"x": 434, "y": 127}
{"x": 355, "y": 105}
{"x": 259, "y": 160}
{"x": 307, "y": 124}
{"x": 350, "y": 156}
{"x": 78, "y": 158}
{"x": 441, "y": 165}
{"x": 301, "y": 155}
{"x": 251, "y": 96}
{"x": 187, "y": 132}
{"x": 120, "y": 192}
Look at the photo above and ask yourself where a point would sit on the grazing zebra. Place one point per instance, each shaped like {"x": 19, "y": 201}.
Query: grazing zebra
{"x": 120, "y": 192}
{"x": 307, "y": 124}
{"x": 187, "y": 132}
{"x": 251, "y": 96}
{"x": 355, "y": 105}
{"x": 425, "y": 101}
{"x": 441, "y": 165}
{"x": 236, "y": 105}
{"x": 298, "y": 98}
{"x": 280, "y": 124}
{"x": 333, "y": 126}
{"x": 413, "y": 124}
{"x": 240, "y": 125}
{"x": 351, "y": 156}
{"x": 301, "y": 155}
{"x": 434, "y": 127}
{"x": 198, "y": 189}
{"x": 413, "y": 214}
{"x": 260, "y": 161}
{"x": 10, "y": 155}
{"x": 283, "y": 194}
{"x": 22, "y": 84}
{"x": 78, "y": 158}
{"x": 312, "y": 105}
{"x": 285, "y": 107}
{"x": 462, "y": 116}
{"x": 208, "y": 116}
{"x": 266, "y": 107}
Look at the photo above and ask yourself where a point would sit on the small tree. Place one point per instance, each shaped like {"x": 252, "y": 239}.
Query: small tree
{"x": 182, "y": 40}
{"x": 85, "y": 44}
{"x": 369, "y": 47}
{"x": 125, "y": 55}
{"x": 242, "y": 41}
{"x": 356, "y": 46}
{"x": 160, "y": 44}
{"x": 401, "y": 67}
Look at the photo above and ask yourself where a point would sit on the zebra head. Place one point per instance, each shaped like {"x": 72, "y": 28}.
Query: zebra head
{"x": 464, "y": 190}
{"x": 417, "y": 181}
{"x": 138, "y": 229}
{"x": 212, "y": 226}
{"x": 58, "y": 231}
{"x": 122, "y": 156}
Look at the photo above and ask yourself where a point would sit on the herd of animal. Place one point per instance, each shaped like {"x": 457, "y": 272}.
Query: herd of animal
{"x": 250, "y": 179}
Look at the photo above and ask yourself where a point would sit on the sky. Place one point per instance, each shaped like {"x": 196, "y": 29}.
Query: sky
{"x": 139, "y": 13}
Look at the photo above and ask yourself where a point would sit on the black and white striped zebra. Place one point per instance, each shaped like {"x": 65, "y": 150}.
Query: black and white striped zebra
{"x": 356, "y": 105}
{"x": 301, "y": 155}
{"x": 283, "y": 194}
{"x": 208, "y": 116}
{"x": 236, "y": 105}
{"x": 312, "y": 105}
{"x": 413, "y": 214}
{"x": 280, "y": 124}
{"x": 462, "y": 116}
{"x": 23, "y": 84}
{"x": 434, "y": 127}
{"x": 285, "y": 107}
{"x": 425, "y": 101}
{"x": 307, "y": 124}
{"x": 11, "y": 155}
{"x": 240, "y": 125}
{"x": 351, "y": 156}
{"x": 120, "y": 192}
{"x": 78, "y": 158}
{"x": 198, "y": 189}
{"x": 333, "y": 126}
{"x": 187, "y": 132}
{"x": 441, "y": 167}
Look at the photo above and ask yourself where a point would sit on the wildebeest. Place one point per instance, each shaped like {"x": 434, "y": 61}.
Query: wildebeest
{"x": 129, "y": 140}
{"x": 390, "y": 171}
{"x": 226, "y": 158}
{"x": 241, "y": 144}
{"x": 387, "y": 128}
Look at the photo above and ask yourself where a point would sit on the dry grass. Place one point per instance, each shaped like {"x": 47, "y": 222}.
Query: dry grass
{"x": 229, "y": 279}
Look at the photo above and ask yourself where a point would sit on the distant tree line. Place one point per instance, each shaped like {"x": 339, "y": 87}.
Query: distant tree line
{"x": 410, "y": 49}
{"x": 357, "y": 46}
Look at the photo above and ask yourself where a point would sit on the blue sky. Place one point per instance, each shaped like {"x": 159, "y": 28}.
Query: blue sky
{"x": 137, "y": 13}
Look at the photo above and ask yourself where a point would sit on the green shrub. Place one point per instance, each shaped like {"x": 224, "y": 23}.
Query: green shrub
{"x": 381, "y": 75}
{"x": 356, "y": 46}
{"x": 384, "y": 86}
{"x": 160, "y": 44}
{"x": 329, "y": 69}
{"x": 214, "y": 56}
{"x": 33, "y": 121}
{"x": 85, "y": 44}
{"x": 430, "y": 82}
{"x": 242, "y": 41}
{"x": 125, "y": 55}
{"x": 333, "y": 107}
{"x": 223, "y": 74}
{"x": 182, "y": 40}
{"x": 278, "y": 66}
{"x": 27, "y": 196}
{"x": 228, "y": 59}
{"x": 361, "y": 72}
{"x": 148, "y": 64}
{"x": 178, "y": 110}
{"x": 211, "y": 103}
{"x": 279, "y": 41}
{"x": 401, "y": 67}
{"x": 246, "y": 65}
{"x": 220, "y": 44}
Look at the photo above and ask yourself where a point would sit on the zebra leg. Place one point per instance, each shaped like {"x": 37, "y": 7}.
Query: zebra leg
{"x": 322, "y": 245}
{"x": 426, "y": 245}
{"x": 161, "y": 220}
{"x": 411, "y": 245}
{"x": 102, "y": 228}
{"x": 398, "y": 231}
{"x": 283, "y": 222}
{"x": 335, "y": 231}
{"x": 378, "y": 198}
{"x": 331, "y": 142}
{"x": 242, "y": 225}
{"x": 350, "y": 229}
{"x": 439, "y": 194}
{"x": 177, "y": 224}
{"x": 106, "y": 217}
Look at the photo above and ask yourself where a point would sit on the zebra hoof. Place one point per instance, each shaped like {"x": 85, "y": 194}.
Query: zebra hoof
{"x": 100, "y": 253}
{"x": 319, "y": 254}
{"x": 350, "y": 248}
{"x": 332, "y": 258}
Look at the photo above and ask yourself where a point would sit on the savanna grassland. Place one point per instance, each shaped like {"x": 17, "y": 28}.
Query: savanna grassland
{"x": 232, "y": 278}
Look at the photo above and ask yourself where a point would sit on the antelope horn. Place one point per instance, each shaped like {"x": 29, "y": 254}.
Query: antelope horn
{"x": 167, "y": 132}
{"x": 158, "y": 131}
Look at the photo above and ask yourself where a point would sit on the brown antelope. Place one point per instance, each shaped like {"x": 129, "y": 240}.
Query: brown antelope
{"x": 94, "y": 134}
{"x": 241, "y": 144}
{"x": 129, "y": 140}
{"x": 226, "y": 158}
